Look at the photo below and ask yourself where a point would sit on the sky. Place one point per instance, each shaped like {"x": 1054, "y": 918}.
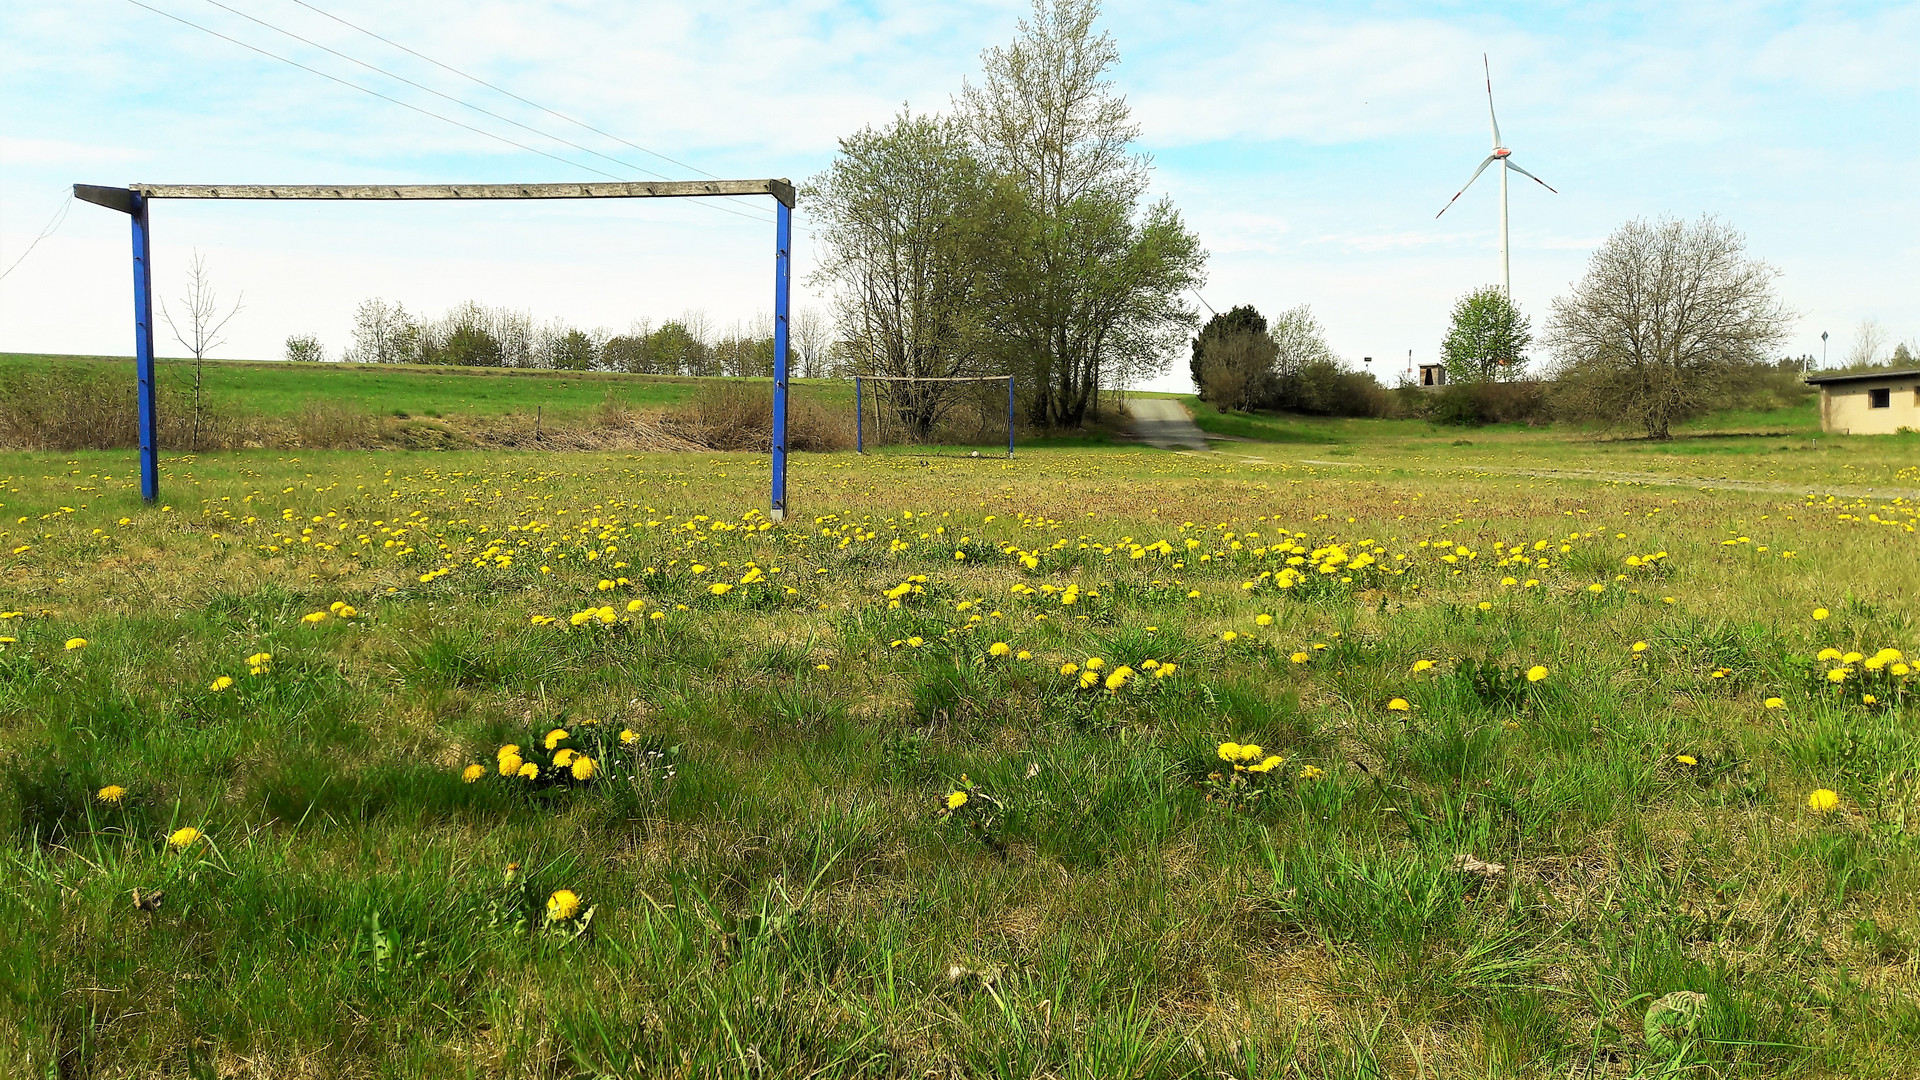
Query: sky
{"x": 1308, "y": 145}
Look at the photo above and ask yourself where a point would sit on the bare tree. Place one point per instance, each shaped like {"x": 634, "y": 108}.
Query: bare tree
{"x": 1665, "y": 313}
{"x": 204, "y": 324}
{"x": 1868, "y": 340}
{"x": 809, "y": 335}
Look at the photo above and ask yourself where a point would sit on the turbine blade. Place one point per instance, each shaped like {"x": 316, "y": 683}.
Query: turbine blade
{"x": 1463, "y": 188}
{"x": 1491, "y": 119}
{"x": 1531, "y": 177}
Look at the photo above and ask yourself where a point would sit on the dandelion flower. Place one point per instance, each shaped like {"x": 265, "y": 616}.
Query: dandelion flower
{"x": 584, "y": 768}
{"x": 1023, "y": 655}
{"x": 1069, "y": 669}
{"x": 1094, "y": 663}
{"x": 999, "y": 649}
{"x": 220, "y": 683}
{"x": 1639, "y": 647}
{"x": 111, "y": 794}
{"x": 1823, "y": 800}
{"x": 529, "y": 771}
{"x": 510, "y": 764}
{"x": 1486, "y": 605}
{"x": 182, "y": 838}
{"x": 1312, "y": 772}
{"x": 314, "y": 617}
{"x": 1837, "y": 675}
{"x": 1399, "y": 704}
{"x": 720, "y": 588}
{"x": 1268, "y": 765}
{"x": 1820, "y": 615}
{"x": 1775, "y": 703}
{"x": 563, "y": 758}
{"x": 556, "y": 737}
{"x": 562, "y": 905}
{"x": 1536, "y": 673}
{"x": 1422, "y": 665}
{"x": 76, "y": 643}
{"x": 1263, "y": 620}
{"x": 1686, "y": 759}
{"x": 956, "y": 800}
{"x": 1299, "y": 658}
{"x": 473, "y": 772}
{"x": 629, "y": 736}
{"x": 509, "y": 750}
{"x": 1229, "y": 751}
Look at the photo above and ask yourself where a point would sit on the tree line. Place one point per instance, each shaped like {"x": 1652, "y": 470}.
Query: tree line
{"x": 1671, "y": 318}
{"x": 477, "y": 335}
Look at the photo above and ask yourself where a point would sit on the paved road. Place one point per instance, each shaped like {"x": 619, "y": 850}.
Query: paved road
{"x": 1163, "y": 422}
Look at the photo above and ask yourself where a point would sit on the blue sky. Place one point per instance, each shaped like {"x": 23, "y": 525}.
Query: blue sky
{"x": 1308, "y": 145}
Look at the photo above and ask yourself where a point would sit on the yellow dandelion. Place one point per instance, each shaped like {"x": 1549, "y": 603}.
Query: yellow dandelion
{"x": 1686, "y": 759}
{"x": 314, "y": 617}
{"x": 1823, "y": 800}
{"x": 1536, "y": 673}
{"x": 556, "y": 737}
{"x": 1263, "y": 620}
{"x": 1229, "y": 751}
{"x": 473, "y": 772}
{"x": 183, "y": 838}
{"x": 220, "y": 683}
{"x": 1312, "y": 772}
{"x": 1399, "y": 704}
{"x": 510, "y": 764}
{"x": 1820, "y": 615}
{"x": 584, "y": 768}
{"x": 629, "y": 736}
{"x": 999, "y": 649}
{"x": 76, "y": 643}
{"x": 1267, "y": 765}
{"x": 1775, "y": 703}
{"x": 1094, "y": 663}
{"x": 1422, "y": 665}
{"x": 1299, "y": 658}
{"x": 562, "y": 758}
{"x": 562, "y": 905}
{"x": 111, "y": 794}
{"x": 529, "y": 771}
{"x": 956, "y": 800}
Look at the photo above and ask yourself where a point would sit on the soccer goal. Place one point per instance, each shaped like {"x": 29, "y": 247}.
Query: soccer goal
{"x": 918, "y": 404}
{"x": 134, "y": 199}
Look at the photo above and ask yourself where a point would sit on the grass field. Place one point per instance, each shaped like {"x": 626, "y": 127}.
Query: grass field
{"x": 931, "y": 780}
{"x": 279, "y": 389}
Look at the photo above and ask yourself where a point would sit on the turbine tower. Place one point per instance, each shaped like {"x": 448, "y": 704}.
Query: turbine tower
{"x": 1505, "y": 157}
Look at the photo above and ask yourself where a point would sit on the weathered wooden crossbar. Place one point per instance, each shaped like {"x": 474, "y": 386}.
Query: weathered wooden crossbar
{"x": 119, "y": 198}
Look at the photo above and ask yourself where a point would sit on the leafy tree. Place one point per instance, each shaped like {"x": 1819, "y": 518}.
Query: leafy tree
{"x": 1236, "y": 370}
{"x": 1225, "y": 324}
{"x": 305, "y": 349}
{"x": 1087, "y": 286}
{"x": 572, "y": 351}
{"x": 906, "y": 213}
{"x": 1488, "y": 339}
{"x": 1666, "y": 312}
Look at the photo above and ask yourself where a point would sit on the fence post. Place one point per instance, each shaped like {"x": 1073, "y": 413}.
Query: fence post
{"x": 782, "y": 289}
{"x": 143, "y": 349}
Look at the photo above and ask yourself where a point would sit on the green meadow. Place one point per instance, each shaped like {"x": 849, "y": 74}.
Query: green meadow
{"x": 1372, "y": 750}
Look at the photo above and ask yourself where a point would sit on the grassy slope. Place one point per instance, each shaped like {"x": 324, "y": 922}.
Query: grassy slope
{"x": 279, "y": 389}
{"x": 790, "y": 899}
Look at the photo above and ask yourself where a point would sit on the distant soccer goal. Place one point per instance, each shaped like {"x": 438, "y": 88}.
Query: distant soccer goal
{"x": 920, "y": 406}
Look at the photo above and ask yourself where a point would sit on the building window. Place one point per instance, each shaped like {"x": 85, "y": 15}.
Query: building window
{"x": 1880, "y": 397}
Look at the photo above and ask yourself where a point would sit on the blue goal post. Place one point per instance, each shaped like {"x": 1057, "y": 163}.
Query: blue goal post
{"x": 133, "y": 201}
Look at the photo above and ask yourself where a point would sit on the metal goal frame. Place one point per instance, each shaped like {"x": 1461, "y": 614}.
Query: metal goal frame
{"x": 134, "y": 199}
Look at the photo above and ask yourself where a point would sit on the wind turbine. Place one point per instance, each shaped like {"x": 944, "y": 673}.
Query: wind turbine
{"x": 1505, "y": 157}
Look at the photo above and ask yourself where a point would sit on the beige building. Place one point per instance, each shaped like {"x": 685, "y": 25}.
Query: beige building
{"x": 1868, "y": 402}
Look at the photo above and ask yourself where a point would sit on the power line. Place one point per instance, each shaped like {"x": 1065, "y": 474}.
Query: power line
{"x": 403, "y": 104}
{"x": 430, "y": 90}
{"x": 59, "y": 218}
{"x": 503, "y": 90}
